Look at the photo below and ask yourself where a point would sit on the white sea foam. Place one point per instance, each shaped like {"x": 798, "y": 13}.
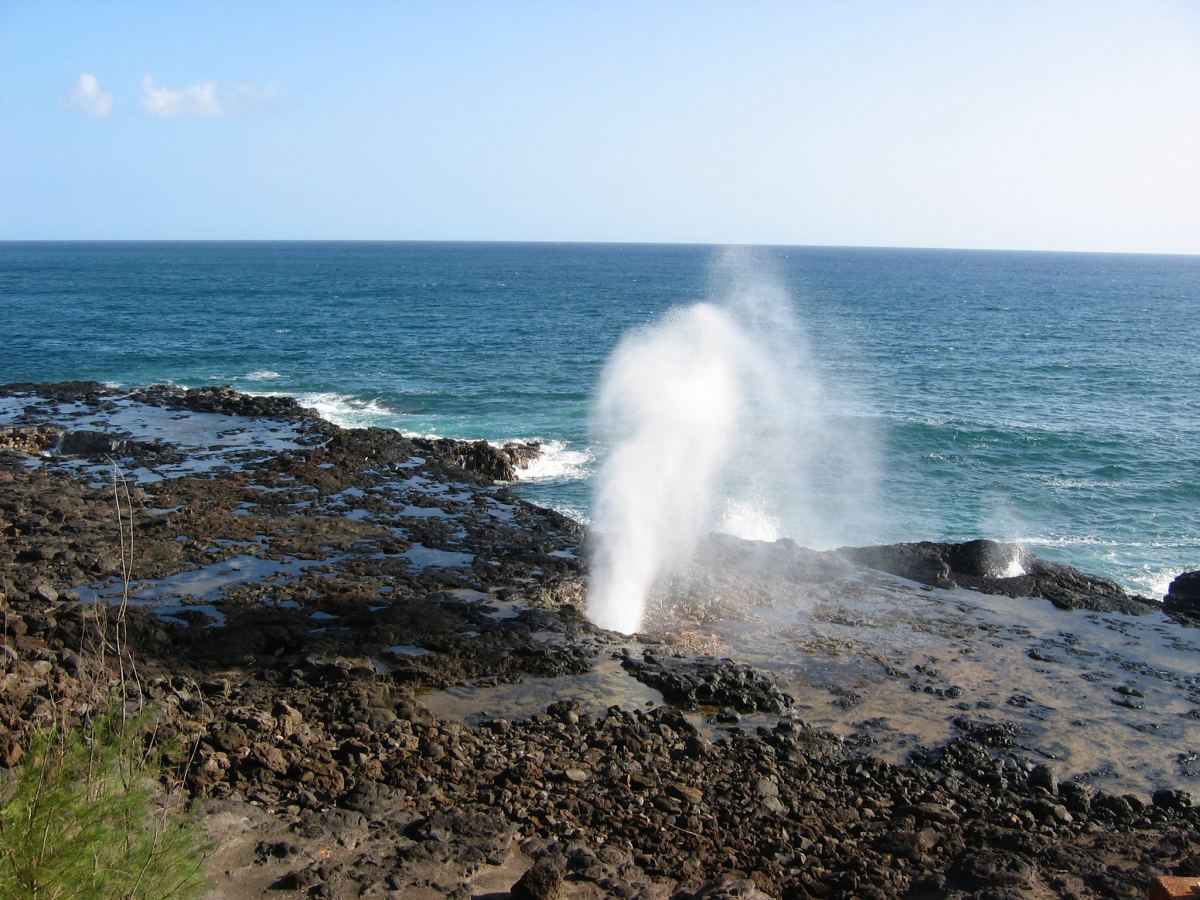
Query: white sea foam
{"x": 575, "y": 515}
{"x": 1186, "y": 542}
{"x": 1079, "y": 483}
{"x": 557, "y": 462}
{"x": 260, "y": 375}
{"x": 749, "y": 521}
{"x": 1147, "y": 579}
{"x": 345, "y": 410}
{"x": 1153, "y": 583}
{"x": 1084, "y": 540}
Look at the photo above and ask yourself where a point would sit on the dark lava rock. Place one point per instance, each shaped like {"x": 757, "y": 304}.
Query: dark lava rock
{"x": 1113, "y": 807}
{"x": 67, "y": 391}
{"x": 1183, "y": 596}
{"x": 992, "y": 868}
{"x": 1173, "y": 800}
{"x": 982, "y": 565}
{"x": 1043, "y": 777}
{"x": 924, "y": 562}
{"x": 223, "y": 400}
{"x": 542, "y": 882}
{"x": 692, "y": 682}
{"x": 1076, "y": 797}
{"x": 90, "y": 444}
{"x": 481, "y": 458}
{"x": 984, "y": 559}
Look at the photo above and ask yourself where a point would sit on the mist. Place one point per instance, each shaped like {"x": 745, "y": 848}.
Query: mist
{"x": 717, "y": 420}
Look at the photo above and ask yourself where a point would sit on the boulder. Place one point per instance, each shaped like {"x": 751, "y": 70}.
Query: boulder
{"x": 90, "y": 443}
{"x": 695, "y": 682}
{"x": 542, "y": 882}
{"x": 1183, "y": 596}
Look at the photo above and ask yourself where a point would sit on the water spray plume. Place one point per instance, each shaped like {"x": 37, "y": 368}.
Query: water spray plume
{"x": 713, "y": 416}
{"x": 670, "y": 397}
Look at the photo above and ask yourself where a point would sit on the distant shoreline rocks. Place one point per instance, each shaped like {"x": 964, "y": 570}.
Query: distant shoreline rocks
{"x": 992, "y": 567}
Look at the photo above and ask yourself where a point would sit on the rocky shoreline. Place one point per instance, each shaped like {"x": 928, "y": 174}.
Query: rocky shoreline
{"x": 305, "y": 600}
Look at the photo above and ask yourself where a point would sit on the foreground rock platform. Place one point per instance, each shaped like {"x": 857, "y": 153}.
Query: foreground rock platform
{"x": 307, "y": 605}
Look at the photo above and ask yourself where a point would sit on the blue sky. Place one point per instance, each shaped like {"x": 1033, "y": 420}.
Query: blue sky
{"x": 1047, "y": 125}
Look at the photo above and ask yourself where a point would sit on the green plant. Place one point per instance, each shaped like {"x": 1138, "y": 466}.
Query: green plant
{"x": 78, "y": 819}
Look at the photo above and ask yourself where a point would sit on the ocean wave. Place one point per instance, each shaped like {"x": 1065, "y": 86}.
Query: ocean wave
{"x": 1079, "y": 483}
{"x": 260, "y": 375}
{"x": 1153, "y": 583}
{"x": 575, "y": 515}
{"x": 344, "y": 410}
{"x": 1118, "y": 559}
{"x": 557, "y": 462}
{"x": 1185, "y": 542}
{"x": 946, "y": 457}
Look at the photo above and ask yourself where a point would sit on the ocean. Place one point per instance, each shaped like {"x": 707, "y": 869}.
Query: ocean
{"x": 1047, "y": 398}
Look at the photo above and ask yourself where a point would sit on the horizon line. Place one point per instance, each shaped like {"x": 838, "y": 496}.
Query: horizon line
{"x": 586, "y": 243}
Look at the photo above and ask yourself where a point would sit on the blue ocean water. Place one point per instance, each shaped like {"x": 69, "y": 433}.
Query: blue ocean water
{"x": 1045, "y": 397}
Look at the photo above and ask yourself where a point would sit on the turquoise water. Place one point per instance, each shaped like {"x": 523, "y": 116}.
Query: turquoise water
{"x": 1051, "y": 398}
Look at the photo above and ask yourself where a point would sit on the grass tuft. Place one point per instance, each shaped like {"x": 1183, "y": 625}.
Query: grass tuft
{"x": 78, "y": 819}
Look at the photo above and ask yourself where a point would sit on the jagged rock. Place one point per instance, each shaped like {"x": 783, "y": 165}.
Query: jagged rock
{"x": 692, "y": 682}
{"x": 997, "y": 568}
{"x": 481, "y": 458}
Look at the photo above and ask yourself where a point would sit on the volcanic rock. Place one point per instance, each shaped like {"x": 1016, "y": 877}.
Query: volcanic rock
{"x": 331, "y": 768}
{"x": 693, "y": 682}
{"x": 481, "y": 458}
{"x": 997, "y": 568}
{"x": 543, "y": 881}
{"x": 1183, "y": 596}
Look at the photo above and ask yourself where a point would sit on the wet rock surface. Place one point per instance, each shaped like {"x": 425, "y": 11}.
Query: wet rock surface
{"x": 298, "y": 595}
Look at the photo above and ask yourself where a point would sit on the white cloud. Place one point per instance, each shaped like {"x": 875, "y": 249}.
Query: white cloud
{"x": 199, "y": 99}
{"x": 202, "y": 99}
{"x": 88, "y": 96}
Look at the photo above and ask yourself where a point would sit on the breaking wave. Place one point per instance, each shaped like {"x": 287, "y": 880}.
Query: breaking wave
{"x": 345, "y": 410}
{"x": 557, "y": 462}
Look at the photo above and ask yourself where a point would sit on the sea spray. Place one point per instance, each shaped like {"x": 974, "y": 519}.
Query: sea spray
{"x": 669, "y": 399}
{"x": 716, "y": 420}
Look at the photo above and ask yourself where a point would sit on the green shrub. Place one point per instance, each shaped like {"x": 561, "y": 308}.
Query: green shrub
{"x": 78, "y": 820}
